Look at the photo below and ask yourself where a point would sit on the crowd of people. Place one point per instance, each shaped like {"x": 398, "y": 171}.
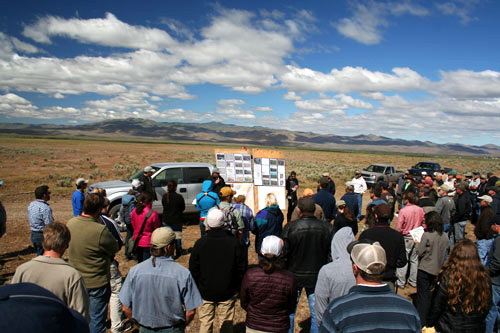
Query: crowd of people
{"x": 349, "y": 264}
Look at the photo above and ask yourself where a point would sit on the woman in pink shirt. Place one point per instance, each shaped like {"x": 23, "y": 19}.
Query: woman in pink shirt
{"x": 143, "y": 213}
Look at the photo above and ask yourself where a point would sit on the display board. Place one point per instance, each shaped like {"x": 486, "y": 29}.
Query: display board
{"x": 235, "y": 167}
{"x": 268, "y": 171}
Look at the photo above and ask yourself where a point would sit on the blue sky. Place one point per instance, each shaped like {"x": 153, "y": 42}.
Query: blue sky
{"x": 425, "y": 70}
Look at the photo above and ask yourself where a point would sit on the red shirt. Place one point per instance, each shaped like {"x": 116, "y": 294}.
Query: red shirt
{"x": 410, "y": 217}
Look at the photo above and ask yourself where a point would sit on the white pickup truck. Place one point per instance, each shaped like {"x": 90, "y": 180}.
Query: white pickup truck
{"x": 189, "y": 177}
{"x": 380, "y": 172}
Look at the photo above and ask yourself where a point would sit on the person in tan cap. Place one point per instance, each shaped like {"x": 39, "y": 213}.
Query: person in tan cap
{"x": 370, "y": 305}
{"x": 232, "y": 215}
{"x": 318, "y": 211}
{"x": 159, "y": 293}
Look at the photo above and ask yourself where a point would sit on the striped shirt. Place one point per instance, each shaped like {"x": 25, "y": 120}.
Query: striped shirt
{"x": 39, "y": 215}
{"x": 370, "y": 309}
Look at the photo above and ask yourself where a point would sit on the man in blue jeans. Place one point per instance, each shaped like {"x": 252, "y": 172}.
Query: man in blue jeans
{"x": 90, "y": 251}
{"x": 307, "y": 247}
{"x": 493, "y": 268}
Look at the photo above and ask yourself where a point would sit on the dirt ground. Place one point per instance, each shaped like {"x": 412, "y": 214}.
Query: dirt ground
{"x": 26, "y": 163}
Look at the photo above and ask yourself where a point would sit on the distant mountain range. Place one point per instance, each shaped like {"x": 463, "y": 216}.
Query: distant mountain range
{"x": 222, "y": 133}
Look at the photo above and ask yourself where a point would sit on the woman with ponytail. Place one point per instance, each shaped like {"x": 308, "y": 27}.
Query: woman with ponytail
{"x": 144, "y": 221}
{"x": 269, "y": 292}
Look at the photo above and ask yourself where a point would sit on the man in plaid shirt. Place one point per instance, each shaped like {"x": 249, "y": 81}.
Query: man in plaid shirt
{"x": 247, "y": 216}
{"x": 39, "y": 216}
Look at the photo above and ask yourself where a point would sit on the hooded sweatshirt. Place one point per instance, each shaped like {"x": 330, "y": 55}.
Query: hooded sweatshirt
{"x": 336, "y": 278}
{"x": 206, "y": 199}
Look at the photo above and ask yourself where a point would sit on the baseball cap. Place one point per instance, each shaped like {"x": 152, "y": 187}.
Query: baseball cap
{"x": 81, "y": 180}
{"x": 325, "y": 174}
{"x": 495, "y": 220}
{"x": 226, "y": 191}
{"x": 486, "y": 198}
{"x": 364, "y": 254}
{"x": 271, "y": 245}
{"x": 308, "y": 192}
{"x": 349, "y": 183}
{"x": 215, "y": 218}
{"x": 216, "y": 170}
{"x": 149, "y": 169}
{"x": 444, "y": 187}
{"x": 161, "y": 237}
{"x": 340, "y": 203}
{"x": 357, "y": 172}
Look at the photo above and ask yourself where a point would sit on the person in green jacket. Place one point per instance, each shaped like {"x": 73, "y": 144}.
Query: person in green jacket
{"x": 90, "y": 251}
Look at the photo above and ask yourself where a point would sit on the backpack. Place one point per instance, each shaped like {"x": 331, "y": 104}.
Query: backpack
{"x": 126, "y": 211}
{"x": 230, "y": 220}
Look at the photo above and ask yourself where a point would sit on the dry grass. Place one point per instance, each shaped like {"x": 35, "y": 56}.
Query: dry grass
{"x": 26, "y": 163}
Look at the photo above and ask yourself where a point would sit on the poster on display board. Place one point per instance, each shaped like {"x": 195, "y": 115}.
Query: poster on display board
{"x": 245, "y": 189}
{"x": 235, "y": 167}
{"x": 269, "y": 171}
{"x": 278, "y": 191}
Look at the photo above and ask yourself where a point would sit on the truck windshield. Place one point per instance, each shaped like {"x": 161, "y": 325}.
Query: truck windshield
{"x": 425, "y": 166}
{"x": 376, "y": 168}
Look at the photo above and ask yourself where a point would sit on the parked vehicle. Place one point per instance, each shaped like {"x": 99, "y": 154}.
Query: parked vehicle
{"x": 189, "y": 177}
{"x": 380, "y": 172}
{"x": 429, "y": 167}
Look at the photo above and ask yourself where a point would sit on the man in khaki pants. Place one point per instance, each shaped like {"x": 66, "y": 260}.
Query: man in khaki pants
{"x": 217, "y": 266}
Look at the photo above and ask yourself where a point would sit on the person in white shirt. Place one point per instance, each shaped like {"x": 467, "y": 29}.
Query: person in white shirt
{"x": 359, "y": 189}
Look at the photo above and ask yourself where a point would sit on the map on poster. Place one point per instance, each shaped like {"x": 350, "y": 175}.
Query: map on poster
{"x": 235, "y": 167}
{"x": 279, "y": 192}
{"x": 269, "y": 171}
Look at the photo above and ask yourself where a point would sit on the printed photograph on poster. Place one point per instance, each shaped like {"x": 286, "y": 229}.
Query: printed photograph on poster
{"x": 257, "y": 160}
{"x": 282, "y": 182}
{"x": 247, "y": 165}
{"x": 229, "y": 157}
{"x": 279, "y": 192}
{"x": 240, "y": 178}
{"x": 238, "y": 164}
{"x": 247, "y": 157}
{"x": 238, "y": 157}
{"x": 231, "y": 179}
{"x": 221, "y": 164}
{"x": 273, "y": 162}
{"x": 239, "y": 171}
{"x": 220, "y": 156}
{"x": 281, "y": 162}
{"x": 230, "y": 172}
{"x": 257, "y": 174}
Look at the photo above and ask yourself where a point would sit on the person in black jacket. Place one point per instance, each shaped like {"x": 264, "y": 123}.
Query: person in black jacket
{"x": 326, "y": 200}
{"x": 147, "y": 183}
{"x": 217, "y": 180}
{"x": 217, "y": 266}
{"x": 291, "y": 185}
{"x": 462, "y": 214}
{"x": 391, "y": 240}
{"x": 462, "y": 298}
{"x": 173, "y": 206}
{"x": 494, "y": 193}
{"x": 306, "y": 249}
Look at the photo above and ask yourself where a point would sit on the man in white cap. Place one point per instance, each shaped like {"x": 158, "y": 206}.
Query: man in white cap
{"x": 370, "y": 305}
{"x": 217, "y": 180}
{"x": 217, "y": 266}
{"x": 147, "y": 183}
{"x": 360, "y": 188}
{"x": 159, "y": 293}
{"x": 79, "y": 196}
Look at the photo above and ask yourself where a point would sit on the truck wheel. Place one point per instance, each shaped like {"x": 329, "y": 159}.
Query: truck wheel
{"x": 114, "y": 211}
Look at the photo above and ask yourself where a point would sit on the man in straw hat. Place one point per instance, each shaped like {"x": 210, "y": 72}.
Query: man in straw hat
{"x": 370, "y": 305}
{"x": 159, "y": 293}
